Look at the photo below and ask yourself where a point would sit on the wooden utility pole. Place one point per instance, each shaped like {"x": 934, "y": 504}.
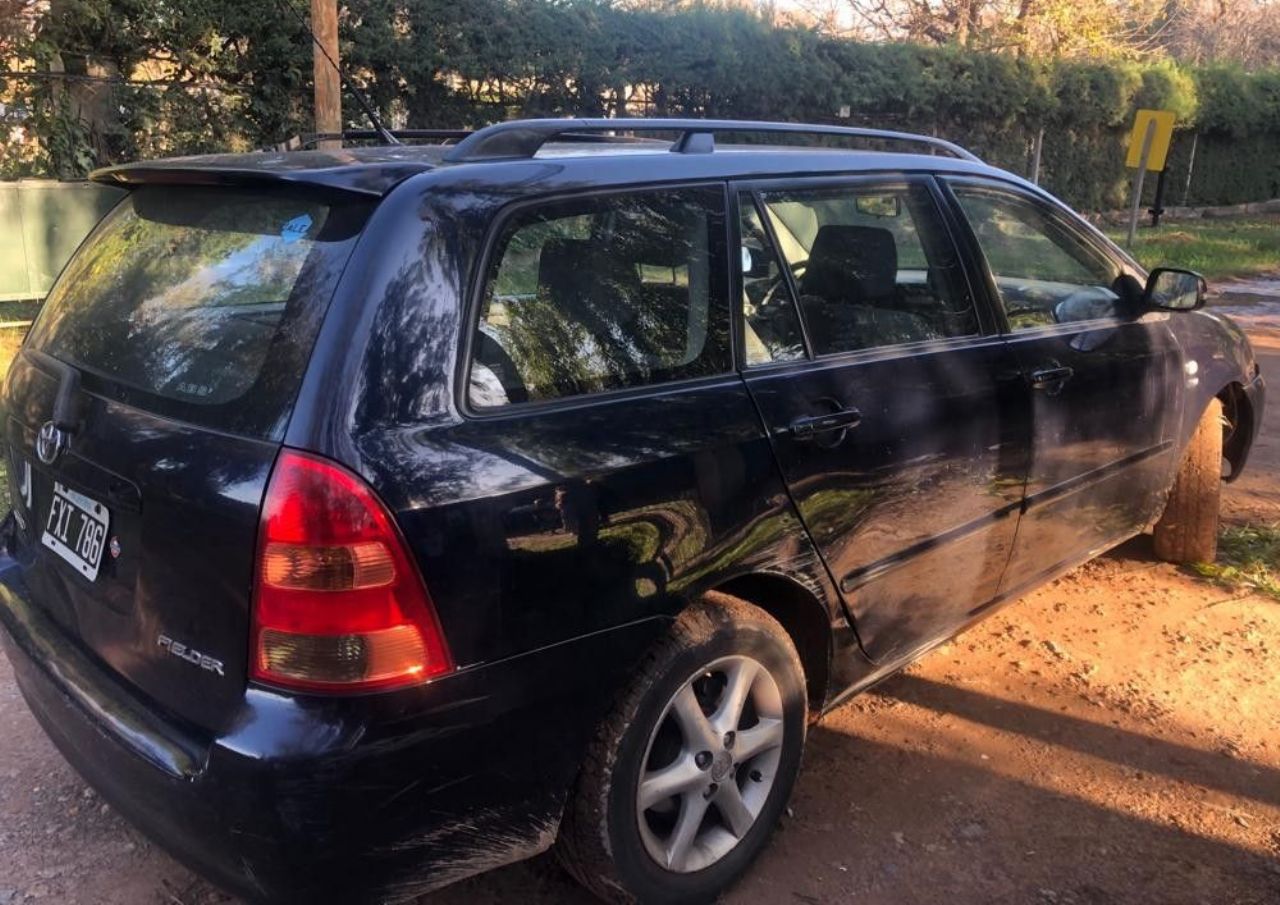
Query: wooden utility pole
{"x": 324, "y": 22}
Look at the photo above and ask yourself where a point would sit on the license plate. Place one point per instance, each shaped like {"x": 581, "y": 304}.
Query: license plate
{"x": 76, "y": 530}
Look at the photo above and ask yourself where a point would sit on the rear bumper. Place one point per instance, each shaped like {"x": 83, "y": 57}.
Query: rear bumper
{"x": 379, "y": 798}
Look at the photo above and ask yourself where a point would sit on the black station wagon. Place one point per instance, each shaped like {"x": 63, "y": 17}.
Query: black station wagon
{"x": 385, "y": 515}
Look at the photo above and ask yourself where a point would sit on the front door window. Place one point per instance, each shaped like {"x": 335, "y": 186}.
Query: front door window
{"x": 1044, "y": 272}
{"x": 872, "y": 266}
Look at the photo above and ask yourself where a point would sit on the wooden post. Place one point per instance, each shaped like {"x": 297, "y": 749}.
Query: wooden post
{"x": 1037, "y": 148}
{"x": 1157, "y": 207}
{"x": 1191, "y": 168}
{"x": 324, "y": 22}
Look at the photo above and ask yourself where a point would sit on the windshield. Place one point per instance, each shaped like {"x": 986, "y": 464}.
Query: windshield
{"x": 201, "y": 303}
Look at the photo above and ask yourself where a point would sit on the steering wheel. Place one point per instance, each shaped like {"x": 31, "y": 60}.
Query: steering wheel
{"x": 771, "y": 294}
{"x": 797, "y": 270}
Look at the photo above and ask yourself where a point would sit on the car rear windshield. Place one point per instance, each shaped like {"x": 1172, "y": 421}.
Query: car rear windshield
{"x": 202, "y": 304}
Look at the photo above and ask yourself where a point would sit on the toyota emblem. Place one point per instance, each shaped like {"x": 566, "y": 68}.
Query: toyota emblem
{"x": 50, "y": 442}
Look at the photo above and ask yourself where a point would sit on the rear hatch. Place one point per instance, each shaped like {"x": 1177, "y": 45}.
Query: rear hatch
{"x": 178, "y": 336}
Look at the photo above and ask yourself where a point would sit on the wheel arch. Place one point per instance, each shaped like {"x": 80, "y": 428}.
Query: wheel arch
{"x": 1237, "y": 411}
{"x": 805, "y": 618}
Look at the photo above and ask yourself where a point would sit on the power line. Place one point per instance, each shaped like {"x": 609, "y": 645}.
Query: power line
{"x": 360, "y": 99}
{"x": 22, "y": 75}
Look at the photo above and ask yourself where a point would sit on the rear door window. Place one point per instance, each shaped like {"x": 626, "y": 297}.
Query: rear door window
{"x": 603, "y": 293}
{"x": 202, "y": 304}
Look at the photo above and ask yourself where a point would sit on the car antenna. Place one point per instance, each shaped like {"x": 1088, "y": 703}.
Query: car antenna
{"x": 356, "y": 93}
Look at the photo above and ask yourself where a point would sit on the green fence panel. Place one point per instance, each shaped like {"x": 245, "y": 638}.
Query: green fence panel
{"x": 41, "y": 224}
{"x": 15, "y": 283}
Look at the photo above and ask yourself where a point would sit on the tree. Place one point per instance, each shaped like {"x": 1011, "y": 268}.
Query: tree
{"x": 1246, "y": 32}
{"x": 117, "y": 80}
{"x": 17, "y": 21}
{"x": 1059, "y": 28}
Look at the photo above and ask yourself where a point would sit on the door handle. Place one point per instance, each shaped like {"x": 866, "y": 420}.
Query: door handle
{"x": 1049, "y": 378}
{"x": 817, "y": 424}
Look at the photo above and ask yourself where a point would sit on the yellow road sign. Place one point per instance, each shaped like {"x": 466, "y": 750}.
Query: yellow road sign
{"x": 1161, "y": 123}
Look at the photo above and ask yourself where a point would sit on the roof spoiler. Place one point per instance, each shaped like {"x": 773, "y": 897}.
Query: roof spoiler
{"x": 336, "y": 180}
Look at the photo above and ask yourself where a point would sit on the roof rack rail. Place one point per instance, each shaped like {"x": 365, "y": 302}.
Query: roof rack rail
{"x": 523, "y": 138}
{"x": 374, "y": 135}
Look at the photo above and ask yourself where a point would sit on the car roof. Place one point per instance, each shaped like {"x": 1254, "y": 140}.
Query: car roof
{"x": 374, "y": 171}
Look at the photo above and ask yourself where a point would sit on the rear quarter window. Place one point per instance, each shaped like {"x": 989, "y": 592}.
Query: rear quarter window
{"x": 202, "y": 304}
{"x": 602, "y": 293}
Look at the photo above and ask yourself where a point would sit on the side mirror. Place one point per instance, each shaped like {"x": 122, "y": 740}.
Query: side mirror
{"x": 1171, "y": 289}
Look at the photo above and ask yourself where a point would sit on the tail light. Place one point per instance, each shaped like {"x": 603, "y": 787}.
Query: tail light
{"x": 338, "y": 604}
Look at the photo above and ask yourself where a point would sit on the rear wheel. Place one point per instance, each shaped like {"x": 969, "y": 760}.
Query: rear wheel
{"x": 686, "y": 779}
{"x": 1188, "y": 528}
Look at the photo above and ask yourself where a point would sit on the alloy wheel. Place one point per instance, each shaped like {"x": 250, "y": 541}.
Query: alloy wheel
{"x": 710, "y": 764}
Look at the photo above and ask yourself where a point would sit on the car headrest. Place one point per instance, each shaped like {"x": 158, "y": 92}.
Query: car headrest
{"x": 648, "y": 237}
{"x": 851, "y": 263}
{"x": 562, "y": 264}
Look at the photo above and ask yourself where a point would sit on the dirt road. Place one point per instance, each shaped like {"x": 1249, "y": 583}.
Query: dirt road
{"x": 1112, "y": 738}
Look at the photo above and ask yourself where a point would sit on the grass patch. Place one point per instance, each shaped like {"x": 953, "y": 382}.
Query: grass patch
{"x": 1215, "y": 248}
{"x": 1248, "y": 557}
{"x": 10, "y": 343}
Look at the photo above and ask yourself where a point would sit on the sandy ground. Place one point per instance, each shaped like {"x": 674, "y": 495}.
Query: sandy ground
{"x": 1112, "y": 738}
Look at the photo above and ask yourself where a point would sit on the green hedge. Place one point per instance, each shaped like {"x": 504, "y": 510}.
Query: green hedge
{"x": 449, "y": 64}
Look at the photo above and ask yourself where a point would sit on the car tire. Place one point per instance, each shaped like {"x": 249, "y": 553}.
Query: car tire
{"x": 1187, "y": 531}
{"x": 611, "y": 842}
